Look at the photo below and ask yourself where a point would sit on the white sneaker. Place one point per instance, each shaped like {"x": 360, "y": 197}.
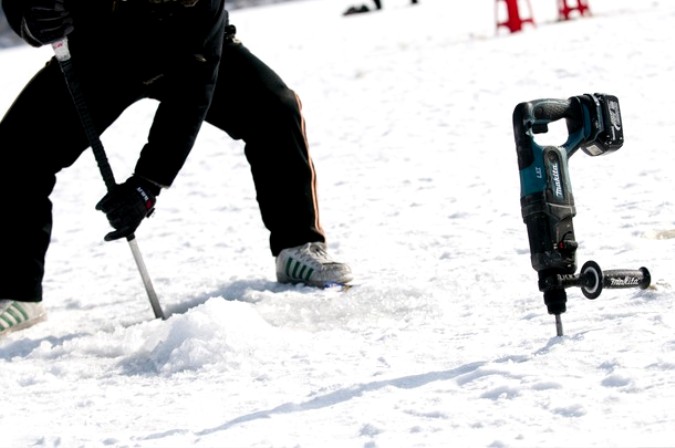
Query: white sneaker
{"x": 311, "y": 265}
{"x": 15, "y": 315}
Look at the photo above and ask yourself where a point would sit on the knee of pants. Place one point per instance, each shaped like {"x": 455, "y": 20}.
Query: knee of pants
{"x": 282, "y": 109}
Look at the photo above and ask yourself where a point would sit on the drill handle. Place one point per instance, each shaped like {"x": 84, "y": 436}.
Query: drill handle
{"x": 593, "y": 280}
{"x": 533, "y": 117}
{"x": 548, "y": 110}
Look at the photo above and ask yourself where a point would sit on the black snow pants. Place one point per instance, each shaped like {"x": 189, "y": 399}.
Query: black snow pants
{"x": 41, "y": 134}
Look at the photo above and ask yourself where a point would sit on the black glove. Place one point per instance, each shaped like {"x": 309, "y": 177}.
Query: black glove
{"x": 127, "y": 204}
{"x": 45, "y": 21}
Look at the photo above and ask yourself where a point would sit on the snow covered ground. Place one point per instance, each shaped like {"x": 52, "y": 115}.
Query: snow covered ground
{"x": 446, "y": 340}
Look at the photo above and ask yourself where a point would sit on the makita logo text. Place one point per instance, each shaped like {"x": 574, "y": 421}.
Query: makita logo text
{"x": 627, "y": 281}
{"x": 555, "y": 175}
{"x": 614, "y": 114}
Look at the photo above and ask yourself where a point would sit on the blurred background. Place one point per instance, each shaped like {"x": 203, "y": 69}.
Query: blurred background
{"x": 8, "y": 38}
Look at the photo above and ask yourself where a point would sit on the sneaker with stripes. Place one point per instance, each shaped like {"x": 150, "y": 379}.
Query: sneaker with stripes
{"x": 311, "y": 265}
{"x": 15, "y": 315}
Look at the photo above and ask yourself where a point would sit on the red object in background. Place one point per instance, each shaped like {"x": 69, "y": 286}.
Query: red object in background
{"x": 514, "y": 20}
{"x": 564, "y": 9}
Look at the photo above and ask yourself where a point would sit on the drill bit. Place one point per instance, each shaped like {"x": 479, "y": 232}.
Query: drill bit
{"x": 558, "y": 325}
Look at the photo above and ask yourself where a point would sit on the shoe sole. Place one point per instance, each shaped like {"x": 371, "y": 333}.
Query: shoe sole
{"x": 21, "y": 325}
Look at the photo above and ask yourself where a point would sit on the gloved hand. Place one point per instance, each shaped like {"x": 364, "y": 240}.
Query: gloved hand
{"x": 127, "y": 204}
{"x": 45, "y": 21}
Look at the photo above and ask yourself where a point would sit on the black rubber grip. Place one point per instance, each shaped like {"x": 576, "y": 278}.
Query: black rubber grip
{"x": 552, "y": 109}
{"x": 626, "y": 278}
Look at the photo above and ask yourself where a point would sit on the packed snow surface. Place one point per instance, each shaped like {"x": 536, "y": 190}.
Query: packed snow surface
{"x": 445, "y": 340}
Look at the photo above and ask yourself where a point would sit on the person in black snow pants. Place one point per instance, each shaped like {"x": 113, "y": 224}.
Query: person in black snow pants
{"x": 170, "y": 51}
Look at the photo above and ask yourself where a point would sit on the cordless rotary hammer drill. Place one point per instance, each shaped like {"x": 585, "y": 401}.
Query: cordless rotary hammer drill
{"x": 546, "y": 200}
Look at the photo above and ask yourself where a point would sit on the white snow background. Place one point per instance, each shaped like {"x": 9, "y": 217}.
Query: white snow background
{"x": 446, "y": 340}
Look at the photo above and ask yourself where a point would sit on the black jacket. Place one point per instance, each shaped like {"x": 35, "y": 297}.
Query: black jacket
{"x": 163, "y": 48}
